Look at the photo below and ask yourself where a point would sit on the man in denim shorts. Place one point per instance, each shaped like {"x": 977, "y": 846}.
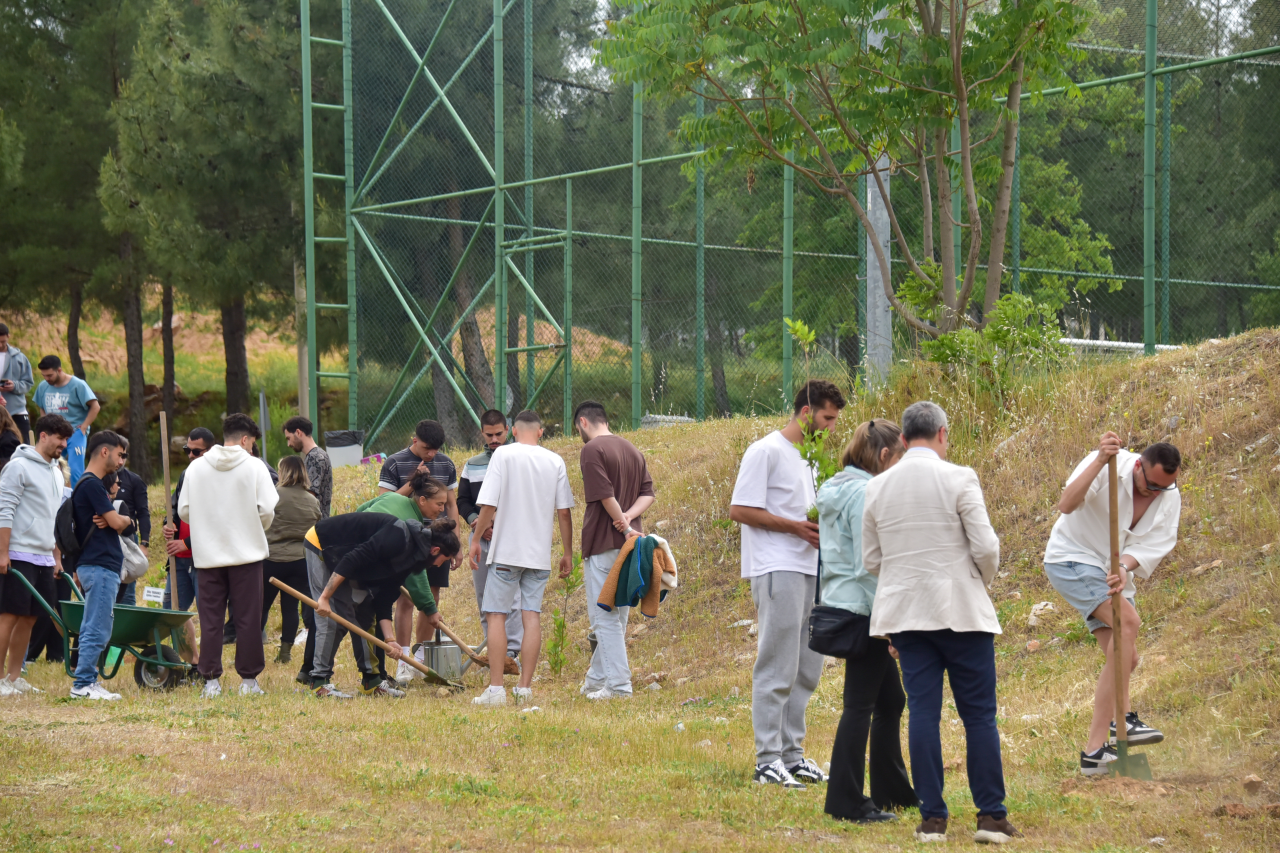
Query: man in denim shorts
{"x": 526, "y": 481}
{"x": 1077, "y": 562}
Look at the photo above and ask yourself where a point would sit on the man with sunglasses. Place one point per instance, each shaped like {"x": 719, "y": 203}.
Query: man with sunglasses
{"x": 178, "y": 541}
{"x": 1077, "y": 562}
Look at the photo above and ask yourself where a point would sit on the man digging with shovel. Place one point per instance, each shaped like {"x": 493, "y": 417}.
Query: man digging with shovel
{"x": 1080, "y": 550}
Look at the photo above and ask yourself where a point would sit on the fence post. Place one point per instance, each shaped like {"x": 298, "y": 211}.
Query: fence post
{"x": 568, "y": 306}
{"x": 700, "y": 308}
{"x": 499, "y": 223}
{"x": 637, "y": 154}
{"x": 348, "y": 144}
{"x": 788, "y": 240}
{"x": 1149, "y": 186}
{"x": 1015, "y": 212}
{"x": 1166, "y": 140}
{"x": 529, "y": 336}
{"x": 309, "y": 214}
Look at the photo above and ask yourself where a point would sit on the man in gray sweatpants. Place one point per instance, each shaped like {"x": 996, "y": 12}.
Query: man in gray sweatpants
{"x": 329, "y": 633}
{"x": 771, "y": 500}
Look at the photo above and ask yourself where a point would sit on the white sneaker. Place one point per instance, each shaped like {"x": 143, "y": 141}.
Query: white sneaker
{"x": 491, "y": 696}
{"x": 23, "y": 686}
{"x": 7, "y": 688}
{"x": 522, "y": 694}
{"x": 604, "y": 693}
{"x": 212, "y": 689}
{"x": 94, "y": 691}
{"x": 249, "y": 687}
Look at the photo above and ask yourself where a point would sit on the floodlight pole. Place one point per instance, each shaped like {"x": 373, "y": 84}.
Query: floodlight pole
{"x": 499, "y": 222}
{"x": 788, "y": 258}
{"x": 349, "y": 173}
{"x": 309, "y": 214}
{"x": 700, "y": 272}
{"x": 529, "y": 337}
{"x": 637, "y": 154}
{"x": 568, "y": 306}
{"x": 1149, "y": 186}
{"x": 1166, "y": 142}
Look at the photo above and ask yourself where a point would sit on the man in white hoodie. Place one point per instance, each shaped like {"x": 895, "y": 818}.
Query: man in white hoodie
{"x": 30, "y": 494}
{"x": 229, "y": 493}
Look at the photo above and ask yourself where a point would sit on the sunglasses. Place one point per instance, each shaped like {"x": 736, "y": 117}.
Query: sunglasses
{"x": 124, "y": 455}
{"x": 193, "y": 452}
{"x": 1153, "y": 488}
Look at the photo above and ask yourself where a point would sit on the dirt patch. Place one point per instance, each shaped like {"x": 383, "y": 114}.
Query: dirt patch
{"x": 1242, "y": 812}
{"x": 1115, "y": 786}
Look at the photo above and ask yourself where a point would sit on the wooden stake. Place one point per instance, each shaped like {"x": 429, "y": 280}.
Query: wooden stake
{"x": 168, "y": 501}
{"x": 1117, "y": 605}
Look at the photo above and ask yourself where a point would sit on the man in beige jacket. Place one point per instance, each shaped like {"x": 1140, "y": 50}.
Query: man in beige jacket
{"x": 926, "y": 535}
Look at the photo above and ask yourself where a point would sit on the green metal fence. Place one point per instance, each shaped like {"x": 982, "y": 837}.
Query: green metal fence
{"x": 506, "y": 228}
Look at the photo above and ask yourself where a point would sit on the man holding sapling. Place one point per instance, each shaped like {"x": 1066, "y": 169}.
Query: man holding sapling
{"x": 1077, "y": 561}
{"x": 614, "y": 476}
{"x": 771, "y": 500}
{"x": 523, "y": 485}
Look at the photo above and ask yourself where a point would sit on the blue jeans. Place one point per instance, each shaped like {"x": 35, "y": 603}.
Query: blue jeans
{"x": 100, "y": 587}
{"x": 184, "y": 576}
{"x": 128, "y": 594}
{"x": 969, "y": 660}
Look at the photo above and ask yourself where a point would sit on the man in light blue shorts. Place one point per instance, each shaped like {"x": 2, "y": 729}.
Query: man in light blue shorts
{"x": 1077, "y": 561}
{"x": 526, "y": 481}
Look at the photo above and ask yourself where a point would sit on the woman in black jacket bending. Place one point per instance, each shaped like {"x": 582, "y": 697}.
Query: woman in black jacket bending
{"x": 370, "y": 554}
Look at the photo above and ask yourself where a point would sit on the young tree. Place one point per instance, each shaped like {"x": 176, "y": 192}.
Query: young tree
{"x": 834, "y": 87}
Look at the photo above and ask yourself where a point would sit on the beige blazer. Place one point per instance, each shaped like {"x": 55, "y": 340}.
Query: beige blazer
{"x": 925, "y": 533}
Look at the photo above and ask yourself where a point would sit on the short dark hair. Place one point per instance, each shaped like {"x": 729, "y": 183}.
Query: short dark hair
{"x": 529, "y": 416}
{"x": 49, "y": 362}
{"x": 816, "y": 394}
{"x": 4, "y": 330}
{"x": 298, "y": 423}
{"x": 423, "y": 485}
{"x": 430, "y": 433}
{"x": 591, "y": 410}
{"x": 1165, "y": 455}
{"x": 106, "y": 438}
{"x": 492, "y": 417}
{"x": 202, "y": 434}
{"x": 110, "y": 480}
{"x": 239, "y": 425}
{"x": 52, "y": 424}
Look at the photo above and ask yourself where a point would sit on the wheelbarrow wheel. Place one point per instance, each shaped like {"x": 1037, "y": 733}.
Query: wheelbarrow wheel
{"x": 151, "y": 676}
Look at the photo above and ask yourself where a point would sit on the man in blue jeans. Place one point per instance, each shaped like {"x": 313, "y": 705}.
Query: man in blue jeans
{"x": 101, "y": 558}
{"x": 926, "y": 534}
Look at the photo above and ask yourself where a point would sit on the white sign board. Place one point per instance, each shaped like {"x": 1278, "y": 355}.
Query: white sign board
{"x": 153, "y": 593}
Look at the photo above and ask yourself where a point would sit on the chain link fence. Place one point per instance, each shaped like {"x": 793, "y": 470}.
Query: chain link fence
{"x": 425, "y": 159}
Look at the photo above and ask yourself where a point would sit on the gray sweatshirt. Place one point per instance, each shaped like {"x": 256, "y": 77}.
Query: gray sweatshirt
{"x": 18, "y": 369}
{"x": 30, "y": 494}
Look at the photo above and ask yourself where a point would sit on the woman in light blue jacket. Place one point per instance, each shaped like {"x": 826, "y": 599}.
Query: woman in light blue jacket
{"x": 873, "y": 697}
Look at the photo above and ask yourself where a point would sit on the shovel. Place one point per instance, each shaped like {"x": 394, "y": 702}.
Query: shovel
{"x": 1134, "y": 766}
{"x": 508, "y": 667}
{"x": 432, "y": 676}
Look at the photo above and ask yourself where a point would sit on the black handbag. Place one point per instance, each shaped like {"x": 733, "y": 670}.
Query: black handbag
{"x": 834, "y": 631}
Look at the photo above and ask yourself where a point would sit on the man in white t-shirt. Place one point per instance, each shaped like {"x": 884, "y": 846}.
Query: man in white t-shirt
{"x": 1077, "y": 561}
{"x": 528, "y": 482}
{"x": 771, "y": 500}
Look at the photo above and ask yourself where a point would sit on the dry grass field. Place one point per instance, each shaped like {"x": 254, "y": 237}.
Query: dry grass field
{"x": 161, "y": 772}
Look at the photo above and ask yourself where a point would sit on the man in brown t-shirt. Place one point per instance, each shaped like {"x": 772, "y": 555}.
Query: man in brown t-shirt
{"x": 618, "y": 490}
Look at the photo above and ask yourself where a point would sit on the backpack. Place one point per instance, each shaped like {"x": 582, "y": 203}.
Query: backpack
{"x": 68, "y": 539}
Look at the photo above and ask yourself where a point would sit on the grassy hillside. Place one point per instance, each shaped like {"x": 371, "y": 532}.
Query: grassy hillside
{"x": 434, "y": 773}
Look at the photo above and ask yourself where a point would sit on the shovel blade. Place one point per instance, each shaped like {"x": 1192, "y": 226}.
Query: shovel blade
{"x": 1133, "y": 765}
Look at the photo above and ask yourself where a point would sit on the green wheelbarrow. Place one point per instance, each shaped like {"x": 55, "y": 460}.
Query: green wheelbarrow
{"x": 140, "y": 631}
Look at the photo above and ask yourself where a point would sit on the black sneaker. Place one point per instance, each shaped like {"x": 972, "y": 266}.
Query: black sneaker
{"x": 807, "y": 771}
{"x": 1140, "y": 734}
{"x": 869, "y": 815}
{"x": 776, "y": 774}
{"x": 1095, "y": 763}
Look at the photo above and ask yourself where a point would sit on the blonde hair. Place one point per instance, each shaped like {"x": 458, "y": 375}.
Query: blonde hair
{"x": 293, "y": 472}
{"x": 869, "y": 440}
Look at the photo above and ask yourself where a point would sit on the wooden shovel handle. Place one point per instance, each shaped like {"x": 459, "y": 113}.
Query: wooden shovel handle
{"x": 1117, "y": 604}
{"x": 467, "y": 650}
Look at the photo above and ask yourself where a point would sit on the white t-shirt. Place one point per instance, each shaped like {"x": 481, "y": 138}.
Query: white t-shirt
{"x": 774, "y": 477}
{"x": 4, "y": 361}
{"x": 526, "y": 483}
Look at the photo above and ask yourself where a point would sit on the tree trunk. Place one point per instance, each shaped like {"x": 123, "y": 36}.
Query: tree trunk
{"x": 139, "y": 452}
{"x": 167, "y": 390}
{"x": 946, "y": 239}
{"x": 233, "y": 334}
{"x": 513, "y": 359}
{"x": 715, "y": 353}
{"x": 73, "y": 329}
{"x": 1004, "y": 194}
{"x": 442, "y": 392}
{"x": 474, "y": 360}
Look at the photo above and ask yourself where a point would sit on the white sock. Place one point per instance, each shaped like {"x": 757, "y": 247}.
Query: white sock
{"x": 214, "y": 681}
{"x": 250, "y": 682}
